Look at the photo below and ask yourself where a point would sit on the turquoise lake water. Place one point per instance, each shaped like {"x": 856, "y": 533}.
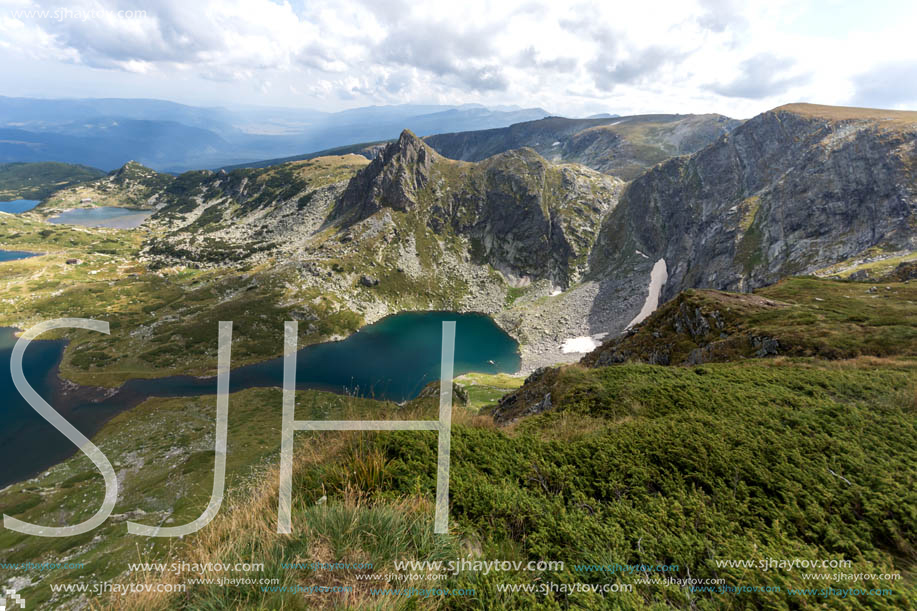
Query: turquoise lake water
{"x": 18, "y": 205}
{"x": 15, "y": 255}
{"x": 391, "y": 359}
{"x": 102, "y": 216}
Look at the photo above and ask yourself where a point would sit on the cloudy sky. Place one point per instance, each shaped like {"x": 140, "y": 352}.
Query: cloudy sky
{"x": 734, "y": 57}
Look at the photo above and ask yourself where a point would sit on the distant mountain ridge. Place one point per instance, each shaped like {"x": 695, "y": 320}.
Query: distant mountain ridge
{"x": 166, "y": 136}
{"x": 620, "y": 146}
{"x": 111, "y": 143}
{"x": 364, "y": 149}
{"x": 37, "y": 181}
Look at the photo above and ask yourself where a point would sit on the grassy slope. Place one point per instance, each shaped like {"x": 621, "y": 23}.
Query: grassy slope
{"x": 39, "y": 180}
{"x": 753, "y": 459}
{"x": 874, "y": 261}
{"x": 889, "y": 118}
{"x": 807, "y": 317}
{"x": 169, "y": 477}
{"x": 162, "y": 323}
{"x": 842, "y": 319}
{"x": 484, "y": 390}
{"x": 640, "y": 464}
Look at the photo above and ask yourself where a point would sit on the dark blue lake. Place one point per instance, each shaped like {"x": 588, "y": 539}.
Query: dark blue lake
{"x": 391, "y": 359}
{"x": 18, "y": 205}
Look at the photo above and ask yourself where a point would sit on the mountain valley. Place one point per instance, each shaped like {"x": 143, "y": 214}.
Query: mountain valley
{"x": 716, "y": 324}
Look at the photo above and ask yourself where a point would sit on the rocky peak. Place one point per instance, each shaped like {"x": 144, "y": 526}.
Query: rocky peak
{"x": 391, "y": 180}
{"x": 132, "y": 171}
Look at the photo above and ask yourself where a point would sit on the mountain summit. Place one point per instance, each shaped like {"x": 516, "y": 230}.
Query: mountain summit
{"x": 392, "y": 180}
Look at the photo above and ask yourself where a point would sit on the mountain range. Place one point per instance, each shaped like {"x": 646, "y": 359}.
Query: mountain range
{"x": 621, "y": 146}
{"x": 557, "y": 249}
{"x": 716, "y": 324}
{"x": 106, "y": 133}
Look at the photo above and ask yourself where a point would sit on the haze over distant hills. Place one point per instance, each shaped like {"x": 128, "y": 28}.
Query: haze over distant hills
{"x": 167, "y": 136}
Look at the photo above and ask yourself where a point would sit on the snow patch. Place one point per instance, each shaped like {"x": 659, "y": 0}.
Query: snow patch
{"x": 641, "y": 254}
{"x": 556, "y": 143}
{"x": 658, "y": 277}
{"x": 556, "y": 292}
{"x": 579, "y": 344}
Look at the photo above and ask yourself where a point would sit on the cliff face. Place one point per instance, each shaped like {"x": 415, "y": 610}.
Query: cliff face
{"x": 522, "y": 215}
{"x": 621, "y": 146}
{"x": 788, "y": 192}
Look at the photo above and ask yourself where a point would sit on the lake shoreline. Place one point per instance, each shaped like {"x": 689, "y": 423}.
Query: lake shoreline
{"x": 324, "y": 366}
{"x": 111, "y": 217}
{"x": 7, "y": 254}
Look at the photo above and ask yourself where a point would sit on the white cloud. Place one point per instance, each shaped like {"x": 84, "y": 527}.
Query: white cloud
{"x": 761, "y": 76}
{"x": 726, "y": 56}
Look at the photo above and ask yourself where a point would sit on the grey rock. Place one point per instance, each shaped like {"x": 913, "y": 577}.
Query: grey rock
{"x": 788, "y": 192}
{"x": 766, "y": 346}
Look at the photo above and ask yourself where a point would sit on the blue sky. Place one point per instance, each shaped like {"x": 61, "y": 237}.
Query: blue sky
{"x": 736, "y": 58}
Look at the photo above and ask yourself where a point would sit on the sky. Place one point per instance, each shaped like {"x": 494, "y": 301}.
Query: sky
{"x": 575, "y": 59}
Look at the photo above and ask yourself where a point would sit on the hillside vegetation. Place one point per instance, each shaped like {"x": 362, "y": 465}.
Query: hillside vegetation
{"x": 795, "y": 317}
{"x": 131, "y": 186}
{"x": 748, "y": 459}
{"x": 162, "y": 321}
{"x": 39, "y": 180}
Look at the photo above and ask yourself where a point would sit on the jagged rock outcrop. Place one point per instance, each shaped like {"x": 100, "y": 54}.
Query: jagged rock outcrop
{"x": 696, "y": 327}
{"x": 522, "y": 215}
{"x": 392, "y": 180}
{"x": 533, "y": 397}
{"x": 904, "y": 272}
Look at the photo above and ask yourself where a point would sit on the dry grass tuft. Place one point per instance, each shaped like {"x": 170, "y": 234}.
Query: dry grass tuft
{"x": 351, "y": 524}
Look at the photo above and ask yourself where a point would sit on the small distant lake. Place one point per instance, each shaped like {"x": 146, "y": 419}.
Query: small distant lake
{"x": 102, "y": 216}
{"x": 392, "y": 359}
{"x": 15, "y": 255}
{"x": 18, "y": 205}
